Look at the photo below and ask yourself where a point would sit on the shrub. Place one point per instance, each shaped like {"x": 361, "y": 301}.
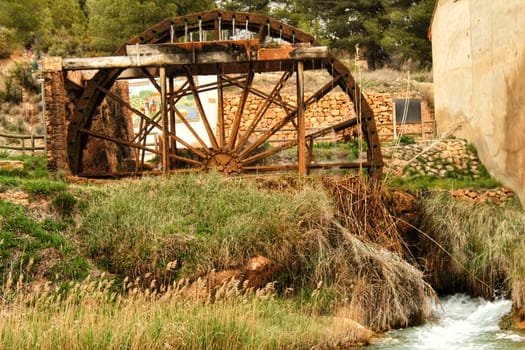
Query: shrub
{"x": 18, "y": 78}
{"x": 406, "y": 140}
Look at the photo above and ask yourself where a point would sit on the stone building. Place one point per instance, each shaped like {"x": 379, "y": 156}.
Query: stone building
{"x": 479, "y": 69}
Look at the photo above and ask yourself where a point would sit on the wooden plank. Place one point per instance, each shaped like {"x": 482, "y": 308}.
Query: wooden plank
{"x": 220, "y": 55}
{"x": 176, "y": 48}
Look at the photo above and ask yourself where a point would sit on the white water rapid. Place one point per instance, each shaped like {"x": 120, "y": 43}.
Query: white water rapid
{"x": 462, "y": 323}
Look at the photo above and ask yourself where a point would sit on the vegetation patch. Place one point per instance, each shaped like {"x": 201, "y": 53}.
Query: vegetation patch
{"x": 199, "y": 223}
{"x": 90, "y": 313}
{"x": 419, "y": 182}
{"x": 473, "y": 247}
{"x": 32, "y": 250}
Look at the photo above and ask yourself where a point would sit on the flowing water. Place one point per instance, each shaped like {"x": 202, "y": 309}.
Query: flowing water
{"x": 462, "y": 323}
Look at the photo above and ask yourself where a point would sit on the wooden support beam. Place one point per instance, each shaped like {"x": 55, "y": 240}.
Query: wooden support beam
{"x": 173, "y": 127}
{"x": 220, "y": 113}
{"x": 165, "y": 122}
{"x": 301, "y": 141}
{"x": 205, "y": 55}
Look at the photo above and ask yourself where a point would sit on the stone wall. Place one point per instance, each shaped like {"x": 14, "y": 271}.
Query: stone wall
{"x": 441, "y": 158}
{"x": 56, "y": 124}
{"x": 331, "y": 109}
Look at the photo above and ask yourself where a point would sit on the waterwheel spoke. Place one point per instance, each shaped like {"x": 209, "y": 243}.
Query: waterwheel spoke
{"x": 141, "y": 115}
{"x": 267, "y": 103}
{"x": 263, "y": 138}
{"x": 277, "y": 100}
{"x": 240, "y": 110}
{"x": 143, "y": 134}
{"x": 151, "y": 78}
{"x": 190, "y": 128}
{"x": 198, "y": 102}
{"x": 270, "y": 152}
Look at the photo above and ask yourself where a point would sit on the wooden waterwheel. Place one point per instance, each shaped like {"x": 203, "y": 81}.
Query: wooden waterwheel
{"x": 196, "y": 63}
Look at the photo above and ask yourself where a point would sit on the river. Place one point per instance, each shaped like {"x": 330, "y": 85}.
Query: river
{"x": 462, "y": 323}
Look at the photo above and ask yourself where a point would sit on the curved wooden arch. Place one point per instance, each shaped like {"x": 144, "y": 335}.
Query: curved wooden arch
{"x": 215, "y": 24}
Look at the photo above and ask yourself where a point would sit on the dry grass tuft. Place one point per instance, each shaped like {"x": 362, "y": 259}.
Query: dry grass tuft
{"x": 90, "y": 314}
{"x": 479, "y": 249}
{"x": 360, "y": 205}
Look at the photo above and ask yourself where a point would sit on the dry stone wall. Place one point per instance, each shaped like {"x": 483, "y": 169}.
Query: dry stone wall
{"x": 331, "y": 109}
{"x": 441, "y": 158}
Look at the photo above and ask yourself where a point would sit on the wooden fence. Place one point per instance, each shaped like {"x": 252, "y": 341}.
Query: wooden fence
{"x": 23, "y": 145}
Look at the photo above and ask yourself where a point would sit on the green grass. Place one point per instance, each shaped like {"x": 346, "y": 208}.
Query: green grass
{"x": 33, "y": 178}
{"x": 206, "y": 222}
{"x": 35, "y": 247}
{"x": 23, "y": 239}
{"x": 418, "y": 182}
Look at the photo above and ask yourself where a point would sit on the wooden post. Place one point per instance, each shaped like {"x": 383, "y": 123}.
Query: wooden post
{"x": 301, "y": 141}
{"x": 173, "y": 131}
{"x": 220, "y": 112}
{"x": 165, "y": 122}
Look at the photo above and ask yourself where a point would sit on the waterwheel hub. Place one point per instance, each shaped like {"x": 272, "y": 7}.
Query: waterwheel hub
{"x": 224, "y": 162}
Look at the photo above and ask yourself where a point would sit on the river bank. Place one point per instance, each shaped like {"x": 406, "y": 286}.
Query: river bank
{"x": 318, "y": 262}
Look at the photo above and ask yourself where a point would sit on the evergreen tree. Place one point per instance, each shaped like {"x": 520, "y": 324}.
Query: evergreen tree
{"x": 307, "y": 15}
{"x": 385, "y": 29}
{"x": 113, "y": 22}
{"x": 186, "y": 7}
{"x": 63, "y": 29}
{"x": 21, "y": 18}
{"x": 406, "y": 38}
{"x": 256, "y": 6}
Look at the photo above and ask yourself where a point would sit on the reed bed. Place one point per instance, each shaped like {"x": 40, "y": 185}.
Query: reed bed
{"x": 90, "y": 315}
{"x": 479, "y": 246}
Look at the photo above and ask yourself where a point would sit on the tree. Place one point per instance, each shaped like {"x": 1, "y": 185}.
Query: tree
{"x": 384, "y": 28}
{"x": 306, "y": 15}
{"x": 257, "y": 6}
{"x": 113, "y": 22}
{"x": 63, "y": 28}
{"x": 185, "y": 7}
{"x": 54, "y": 26}
{"x": 407, "y": 36}
{"x": 22, "y": 18}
